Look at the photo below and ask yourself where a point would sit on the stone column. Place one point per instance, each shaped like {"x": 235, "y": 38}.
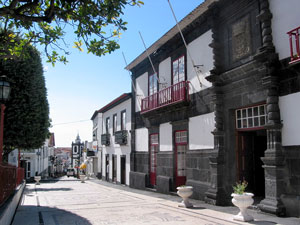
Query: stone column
{"x": 215, "y": 194}
{"x": 274, "y": 156}
{"x": 265, "y": 17}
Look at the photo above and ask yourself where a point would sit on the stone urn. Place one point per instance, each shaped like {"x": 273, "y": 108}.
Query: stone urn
{"x": 185, "y": 192}
{"x": 82, "y": 177}
{"x": 37, "y": 179}
{"x": 242, "y": 201}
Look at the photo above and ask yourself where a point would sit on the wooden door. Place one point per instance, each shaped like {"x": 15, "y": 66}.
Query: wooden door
{"x": 123, "y": 169}
{"x": 114, "y": 167}
{"x": 245, "y": 156}
{"x": 180, "y": 157}
{"x": 153, "y": 156}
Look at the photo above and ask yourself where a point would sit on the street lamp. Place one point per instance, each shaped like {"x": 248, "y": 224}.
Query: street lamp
{"x": 4, "y": 95}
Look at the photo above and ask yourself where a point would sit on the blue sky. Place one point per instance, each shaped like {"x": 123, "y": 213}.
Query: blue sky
{"x": 88, "y": 82}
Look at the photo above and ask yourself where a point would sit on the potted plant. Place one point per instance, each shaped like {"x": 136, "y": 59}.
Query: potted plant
{"x": 242, "y": 200}
{"x": 37, "y": 179}
{"x": 185, "y": 192}
{"x": 82, "y": 177}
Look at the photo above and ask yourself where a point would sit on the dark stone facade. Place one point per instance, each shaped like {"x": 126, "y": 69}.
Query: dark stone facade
{"x": 246, "y": 72}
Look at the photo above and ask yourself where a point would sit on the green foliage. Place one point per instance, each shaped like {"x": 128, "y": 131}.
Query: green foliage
{"x": 96, "y": 23}
{"x": 26, "y": 124}
{"x": 240, "y": 187}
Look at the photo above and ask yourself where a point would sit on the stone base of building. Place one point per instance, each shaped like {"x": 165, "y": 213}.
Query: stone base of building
{"x": 163, "y": 184}
{"x": 199, "y": 189}
{"x": 272, "y": 206}
{"x": 138, "y": 180}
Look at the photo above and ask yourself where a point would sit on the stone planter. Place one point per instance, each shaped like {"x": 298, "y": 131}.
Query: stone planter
{"x": 37, "y": 179}
{"x": 82, "y": 177}
{"x": 185, "y": 192}
{"x": 242, "y": 201}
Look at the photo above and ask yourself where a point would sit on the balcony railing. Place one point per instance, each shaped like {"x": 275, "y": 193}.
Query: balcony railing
{"x": 176, "y": 93}
{"x": 105, "y": 139}
{"x": 294, "y": 45}
{"x": 121, "y": 137}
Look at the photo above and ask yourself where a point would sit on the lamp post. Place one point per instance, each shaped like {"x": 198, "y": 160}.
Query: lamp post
{"x": 4, "y": 95}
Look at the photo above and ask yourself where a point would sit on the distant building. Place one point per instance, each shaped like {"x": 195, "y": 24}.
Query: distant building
{"x": 62, "y": 159}
{"x": 38, "y": 161}
{"x": 76, "y": 154}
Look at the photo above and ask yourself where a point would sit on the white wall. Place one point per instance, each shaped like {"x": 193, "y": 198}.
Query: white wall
{"x": 202, "y": 54}
{"x": 286, "y": 17}
{"x": 290, "y": 111}
{"x": 141, "y": 140}
{"x": 200, "y": 128}
{"x": 165, "y": 137}
{"x": 13, "y": 158}
{"x": 164, "y": 72}
{"x": 114, "y": 148}
{"x": 141, "y": 90}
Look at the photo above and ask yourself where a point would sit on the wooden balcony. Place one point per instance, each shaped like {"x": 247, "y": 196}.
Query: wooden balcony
{"x": 294, "y": 45}
{"x": 171, "y": 95}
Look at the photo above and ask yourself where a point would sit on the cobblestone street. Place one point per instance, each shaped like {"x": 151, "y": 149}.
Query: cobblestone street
{"x": 68, "y": 201}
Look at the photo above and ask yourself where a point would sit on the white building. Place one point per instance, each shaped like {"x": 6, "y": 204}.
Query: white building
{"x": 113, "y": 124}
{"x": 36, "y": 161}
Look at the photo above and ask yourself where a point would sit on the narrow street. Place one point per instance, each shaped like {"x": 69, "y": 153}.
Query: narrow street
{"x": 68, "y": 201}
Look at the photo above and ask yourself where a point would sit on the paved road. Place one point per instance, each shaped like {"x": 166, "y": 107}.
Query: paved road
{"x": 69, "y": 202}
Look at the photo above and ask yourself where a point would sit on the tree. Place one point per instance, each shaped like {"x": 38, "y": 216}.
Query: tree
{"x": 97, "y": 24}
{"x": 26, "y": 124}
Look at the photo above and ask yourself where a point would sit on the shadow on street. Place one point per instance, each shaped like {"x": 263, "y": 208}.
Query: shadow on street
{"x": 46, "y": 214}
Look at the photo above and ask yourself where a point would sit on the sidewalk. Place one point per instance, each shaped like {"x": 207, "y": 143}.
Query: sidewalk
{"x": 68, "y": 202}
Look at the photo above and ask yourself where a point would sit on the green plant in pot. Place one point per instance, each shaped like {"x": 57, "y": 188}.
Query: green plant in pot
{"x": 242, "y": 200}
{"x": 240, "y": 187}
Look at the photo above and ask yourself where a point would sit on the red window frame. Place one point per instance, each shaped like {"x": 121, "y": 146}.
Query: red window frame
{"x": 259, "y": 116}
{"x": 153, "y": 158}
{"x": 180, "y": 180}
{"x": 152, "y": 79}
{"x": 178, "y": 69}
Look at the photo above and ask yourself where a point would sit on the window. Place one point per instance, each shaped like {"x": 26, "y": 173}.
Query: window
{"x": 251, "y": 117}
{"x": 181, "y": 137}
{"x": 123, "y": 120}
{"x": 114, "y": 123}
{"x": 152, "y": 84}
{"x": 95, "y": 135}
{"x": 107, "y": 124}
{"x": 178, "y": 72}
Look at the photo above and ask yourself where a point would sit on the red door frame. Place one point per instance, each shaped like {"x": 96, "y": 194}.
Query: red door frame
{"x": 152, "y": 158}
{"x": 179, "y": 180}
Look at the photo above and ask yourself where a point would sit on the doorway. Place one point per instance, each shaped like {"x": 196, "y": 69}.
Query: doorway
{"x": 180, "y": 157}
{"x": 123, "y": 169}
{"x": 251, "y": 146}
{"x": 153, "y": 157}
{"x": 28, "y": 170}
{"x": 114, "y": 167}
{"x": 107, "y": 167}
